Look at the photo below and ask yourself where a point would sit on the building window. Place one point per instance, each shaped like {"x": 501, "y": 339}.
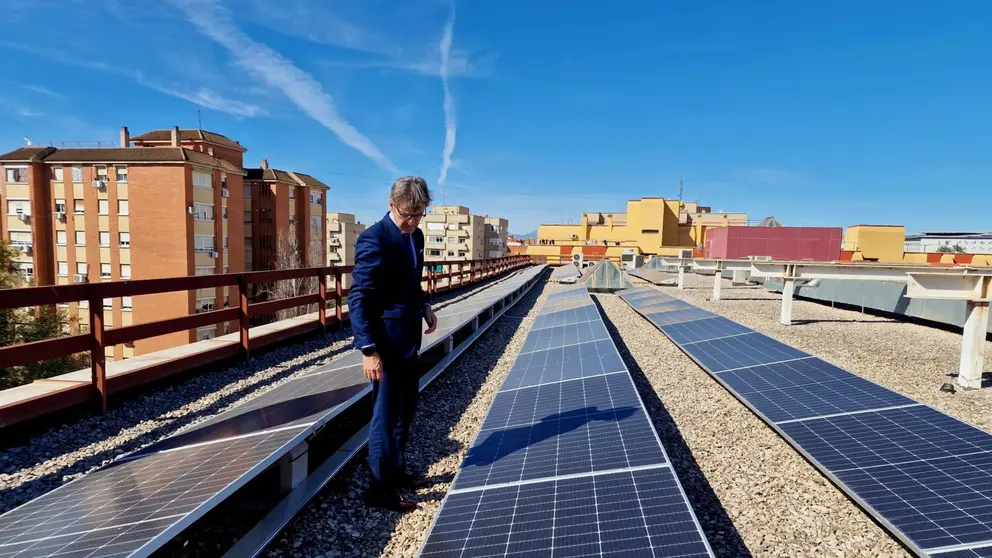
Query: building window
{"x": 78, "y": 207}
{"x": 108, "y": 304}
{"x": 247, "y": 216}
{"x": 122, "y": 207}
{"x": 80, "y": 238}
{"x": 450, "y": 253}
{"x": 204, "y": 270}
{"x": 225, "y": 242}
{"x": 103, "y": 207}
{"x": 60, "y": 238}
{"x": 104, "y": 239}
{"x": 246, "y": 191}
{"x": 292, "y": 193}
{"x": 125, "y": 271}
{"x": 81, "y": 268}
{"x": 435, "y": 226}
{"x": 435, "y": 239}
{"x": 18, "y": 207}
{"x": 203, "y": 180}
{"x": 315, "y": 221}
{"x": 433, "y": 252}
{"x": 101, "y": 173}
{"x": 121, "y": 174}
{"x": 126, "y": 303}
{"x": 105, "y": 271}
{"x": 63, "y": 269}
{"x": 124, "y": 239}
{"x": 203, "y": 243}
{"x": 204, "y": 304}
{"x": 17, "y": 174}
{"x": 203, "y": 211}
{"x": 77, "y": 174}
{"x": 59, "y": 206}
{"x": 58, "y": 173}
{"x": 204, "y": 334}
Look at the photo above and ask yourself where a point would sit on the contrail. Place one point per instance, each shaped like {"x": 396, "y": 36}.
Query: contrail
{"x": 450, "y": 118}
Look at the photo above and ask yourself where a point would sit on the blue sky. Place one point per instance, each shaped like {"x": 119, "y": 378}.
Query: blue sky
{"x": 827, "y": 113}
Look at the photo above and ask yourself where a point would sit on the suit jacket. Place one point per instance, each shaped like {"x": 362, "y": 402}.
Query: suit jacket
{"x": 386, "y": 302}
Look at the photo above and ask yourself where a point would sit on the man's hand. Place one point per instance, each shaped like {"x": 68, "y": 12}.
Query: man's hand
{"x": 430, "y": 318}
{"x": 372, "y": 365}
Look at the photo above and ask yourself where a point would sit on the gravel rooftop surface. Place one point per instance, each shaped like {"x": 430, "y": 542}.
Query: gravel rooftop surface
{"x": 61, "y": 451}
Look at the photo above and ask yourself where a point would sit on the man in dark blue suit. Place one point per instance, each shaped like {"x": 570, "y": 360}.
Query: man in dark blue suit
{"x": 387, "y": 305}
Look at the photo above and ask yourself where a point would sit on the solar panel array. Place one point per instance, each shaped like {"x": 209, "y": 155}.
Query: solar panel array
{"x": 923, "y": 474}
{"x": 133, "y": 506}
{"x": 566, "y": 462}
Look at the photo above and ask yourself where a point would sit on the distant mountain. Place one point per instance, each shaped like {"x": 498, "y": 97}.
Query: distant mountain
{"x": 531, "y": 234}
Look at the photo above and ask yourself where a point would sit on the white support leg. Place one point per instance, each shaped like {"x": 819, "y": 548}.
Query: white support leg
{"x": 717, "y": 281}
{"x": 293, "y": 468}
{"x": 475, "y": 323}
{"x": 681, "y": 278}
{"x": 976, "y": 326}
{"x": 449, "y": 345}
{"x": 788, "y": 289}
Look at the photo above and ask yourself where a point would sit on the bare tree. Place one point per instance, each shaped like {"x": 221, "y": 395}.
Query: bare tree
{"x": 291, "y": 255}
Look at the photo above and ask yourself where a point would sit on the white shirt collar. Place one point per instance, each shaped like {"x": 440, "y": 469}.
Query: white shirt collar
{"x": 393, "y": 219}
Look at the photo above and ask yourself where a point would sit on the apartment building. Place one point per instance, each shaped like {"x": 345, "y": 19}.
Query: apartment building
{"x": 156, "y": 209}
{"x": 496, "y": 237}
{"x": 452, "y": 233}
{"x": 285, "y": 213}
{"x": 342, "y": 232}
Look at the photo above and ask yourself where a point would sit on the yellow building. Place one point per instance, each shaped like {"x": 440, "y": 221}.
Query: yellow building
{"x": 655, "y": 226}
{"x": 886, "y": 244}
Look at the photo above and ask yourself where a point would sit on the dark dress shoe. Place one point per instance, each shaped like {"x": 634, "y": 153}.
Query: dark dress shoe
{"x": 389, "y": 501}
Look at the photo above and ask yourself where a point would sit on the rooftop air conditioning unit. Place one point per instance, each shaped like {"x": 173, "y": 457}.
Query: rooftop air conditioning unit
{"x": 190, "y": 209}
{"x": 99, "y": 184}
{"x": 213, "y": 254}
{"x": 79, "y": 278}
{"x": 578, "y": 259}
{"x": 60, "y": 215}
{"x": 224, "y": 192}
{"x": 24, "y": 215}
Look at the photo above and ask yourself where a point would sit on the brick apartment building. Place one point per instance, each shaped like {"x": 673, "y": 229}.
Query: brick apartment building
{"x": 166, "y": 203}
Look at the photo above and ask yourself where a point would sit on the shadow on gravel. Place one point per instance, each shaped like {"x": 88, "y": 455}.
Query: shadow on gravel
{"x": 720, "y": 530}
{"x": 441, "y": 407}
{"x": 807, "y": 322}
{"x": 93, "y": 430}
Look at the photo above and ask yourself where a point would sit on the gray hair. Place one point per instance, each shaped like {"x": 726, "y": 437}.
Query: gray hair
{"x": 411, "y": 191}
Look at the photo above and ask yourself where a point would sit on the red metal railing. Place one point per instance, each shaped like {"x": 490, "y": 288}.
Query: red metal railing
{"x": 98, "y": 338}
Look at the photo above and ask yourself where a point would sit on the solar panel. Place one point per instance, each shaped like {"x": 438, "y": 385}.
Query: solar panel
{"x": 566, "y": 462}
{"x": 135, "y": 504}
{"x": 924, "y": 474}
{"x": 631, "y": 513}
{"x": 705, "y": 329}
{"x": 564, "y": 363}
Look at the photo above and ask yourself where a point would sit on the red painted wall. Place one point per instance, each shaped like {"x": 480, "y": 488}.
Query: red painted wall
{"x": 781, "y": 243}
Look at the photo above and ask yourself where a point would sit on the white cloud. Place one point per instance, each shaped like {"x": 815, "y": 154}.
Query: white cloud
{"x": 450, "y": 116}
{"x": 315, "y": 23}
{"x": 211, "y": 100}
{"x": 41, "y": 90}
{"x": 269, "y": 66}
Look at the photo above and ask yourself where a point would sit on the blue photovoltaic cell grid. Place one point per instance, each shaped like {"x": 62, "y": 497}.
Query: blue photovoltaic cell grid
{"x": 628, "y": 514}
{"x": 566, "y": 428}
{"x": 561, "y": 336}
{"x": 567, "y": 462}
{"x": 680, "y": 315}
{"x": 925, "y": 474}
{"x": 743, "y": 351}
{"x": 564, "y": 363}
{"x": 701, "y": 330}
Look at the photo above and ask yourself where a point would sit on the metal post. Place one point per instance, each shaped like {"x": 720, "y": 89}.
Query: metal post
{"x": 293, "y": 468}
{"x": 976, "y": 326}
{"x": 98, "y": 353}
{"x": 338, "y": 297}
{"x": 243, "y": 313}
{"x": 681, "y": 277}
{"x": 322, "y": 304}
{"x": 717, "y": 280}
{"x": 788, "y": 289}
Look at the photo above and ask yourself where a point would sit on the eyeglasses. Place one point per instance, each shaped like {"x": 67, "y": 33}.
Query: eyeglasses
{"x": 411, "y": 216}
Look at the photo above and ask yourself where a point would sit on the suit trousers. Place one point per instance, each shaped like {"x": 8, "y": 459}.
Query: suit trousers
{"x": 395, "y": 397}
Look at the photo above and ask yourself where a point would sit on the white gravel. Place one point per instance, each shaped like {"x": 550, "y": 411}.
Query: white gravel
{"x": 751, "y": 491}
{"x": 337, "y": 523}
